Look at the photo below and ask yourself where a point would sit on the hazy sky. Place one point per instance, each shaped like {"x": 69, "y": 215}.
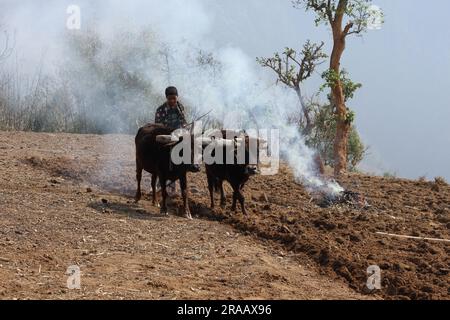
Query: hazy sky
{"x": 403, "y": 109}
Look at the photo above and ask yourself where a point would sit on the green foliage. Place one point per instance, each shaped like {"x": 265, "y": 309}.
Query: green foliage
{"x": 349, "y": 87}
{"x": 345, "y": 17}
{"x": 360, "y": 15}
{"x": 331, "y": 78}
{"x": 323, "y": 134}
{"x": 355, "y": 148}
{"x": 350, "y": 116}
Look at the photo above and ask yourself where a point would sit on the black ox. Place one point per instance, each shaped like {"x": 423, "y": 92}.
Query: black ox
{"x": 236, "y": 173}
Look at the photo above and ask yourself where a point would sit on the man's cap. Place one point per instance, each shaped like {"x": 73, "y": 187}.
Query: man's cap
{"x": 171, "y": 91}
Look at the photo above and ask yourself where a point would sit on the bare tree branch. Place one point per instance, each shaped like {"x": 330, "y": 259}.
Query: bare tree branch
{"x": 8, "y": 47}
{"x": 292, "y": 69}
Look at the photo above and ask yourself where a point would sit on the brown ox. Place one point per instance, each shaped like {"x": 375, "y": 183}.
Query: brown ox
{"x": 154, "y": 143}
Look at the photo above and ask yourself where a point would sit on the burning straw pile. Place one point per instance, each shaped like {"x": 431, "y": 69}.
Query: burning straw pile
{"x": 348, "y": 198}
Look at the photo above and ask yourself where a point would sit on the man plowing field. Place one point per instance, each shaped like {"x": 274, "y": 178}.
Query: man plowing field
{"x": 172, "y": 115}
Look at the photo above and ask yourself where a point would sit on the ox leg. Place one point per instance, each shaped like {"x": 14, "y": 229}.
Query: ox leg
{"x": 241, "y": 199}
{"x": 237, "y": 196}
{"x": 223, "y": 200}
{"x": 164, "y": 196}
{"x": 139, "y": 169}
{"x": 184, "y": 194}
{"x": 233, "y": 206}
{"x": 154, "y": 196}
{"x": 211, "y": 187}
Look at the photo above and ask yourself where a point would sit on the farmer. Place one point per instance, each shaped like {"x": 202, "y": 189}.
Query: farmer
{"x": 171, "y": 113}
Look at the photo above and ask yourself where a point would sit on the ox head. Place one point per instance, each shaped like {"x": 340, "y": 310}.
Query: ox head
{"x": 186, "y": 141}
{"x": 245, "y": 148}
{"x": 252, "y": 147}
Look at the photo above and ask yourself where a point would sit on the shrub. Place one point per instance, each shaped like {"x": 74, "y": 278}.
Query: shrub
{"x": 323, "y": 133}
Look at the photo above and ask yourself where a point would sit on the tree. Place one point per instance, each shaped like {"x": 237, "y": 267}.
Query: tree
{"x": 345, "y": 17}
{"x": 322, "y": 136}
{"x": 165, "y": 53}
{"x": 8, "y": 46}
{"x": 293, "y": 68}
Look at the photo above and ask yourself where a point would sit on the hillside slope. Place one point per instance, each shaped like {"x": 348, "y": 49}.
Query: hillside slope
{"x": 67, "y": 199}
{"x": 50, "y": 219}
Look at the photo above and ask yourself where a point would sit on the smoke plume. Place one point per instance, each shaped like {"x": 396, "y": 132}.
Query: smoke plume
{"x": 151, "y": 44}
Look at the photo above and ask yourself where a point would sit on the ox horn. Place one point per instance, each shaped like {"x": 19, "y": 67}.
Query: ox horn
{"x": 205, "y": 141}
{"x": 166, "y": 139}
{"x": 259, "y": 140}
{"x": 213, "y": 132}
{"x": 235, "y": 133}
{"x": 239, "y": 142}
{"x": 224, "y": 142}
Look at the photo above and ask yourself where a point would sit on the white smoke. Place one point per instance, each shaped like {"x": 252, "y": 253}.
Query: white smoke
{"x": 240, "y": 93}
